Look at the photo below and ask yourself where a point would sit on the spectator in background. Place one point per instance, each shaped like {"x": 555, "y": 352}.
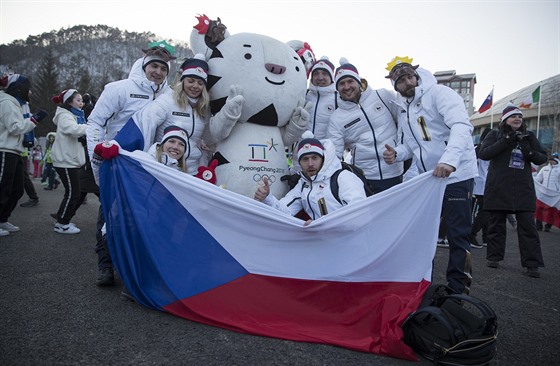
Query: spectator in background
{"x": 548, "y": 176}
{"x": 49, "y": 174}
{"x": 510, "y": 189}
{"x": 68, "y": 156}
{"x": 14, "y": 106}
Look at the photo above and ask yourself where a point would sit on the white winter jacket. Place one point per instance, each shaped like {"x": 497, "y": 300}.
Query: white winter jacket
{"x": 118, "y": 102}
{"x": 164, "y": 112}
{"x": 436, "y": 129}
{"x": 13, "y": 125}
{"x": 306, "y": 194}
{"x": 549, "y": 176}
{"x": 67, "y": 151}
{"x": 323, "y": 104}
{"x": 365, "y": 128}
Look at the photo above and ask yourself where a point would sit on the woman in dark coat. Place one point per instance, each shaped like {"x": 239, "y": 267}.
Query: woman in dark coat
{"x": 510, "y": 189}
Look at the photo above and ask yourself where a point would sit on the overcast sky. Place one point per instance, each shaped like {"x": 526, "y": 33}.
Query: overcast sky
{"x": 508, "y": 44}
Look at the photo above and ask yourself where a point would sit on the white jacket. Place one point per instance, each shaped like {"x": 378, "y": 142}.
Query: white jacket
{"x": 549, "y": 176}
{"x": 13, "y": 125}
{"x": 164, "y": 112}
{"x": 118, "y": 102}
{"x": 306, "y": 194}
{"x": 365, "y": 128}
{"x": 323, "y": 104}
{"x": 436, "y": 129}
{"x": 67, "y": 151}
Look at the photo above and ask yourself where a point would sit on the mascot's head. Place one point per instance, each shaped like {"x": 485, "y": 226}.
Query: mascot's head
{"x": 270, "y": 73}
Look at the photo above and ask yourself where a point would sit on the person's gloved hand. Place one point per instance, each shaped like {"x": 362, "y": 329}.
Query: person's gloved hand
{"x": 208, "y": 173}
{"x": 509, "y": 135}
{"x": 234, "y": 102}
{"x": 525, "y": 147}
{"x": 167, "y": 160}
{"x": 106, "y": 149}
{"x": 39, "y": 116}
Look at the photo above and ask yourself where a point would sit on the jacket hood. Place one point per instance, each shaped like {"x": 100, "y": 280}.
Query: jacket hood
{"x": 330, "y": 165}
{"x": 138, "y": 75}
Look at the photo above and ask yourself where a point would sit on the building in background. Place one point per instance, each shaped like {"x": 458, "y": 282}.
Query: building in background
{"x": 462, "y": 84}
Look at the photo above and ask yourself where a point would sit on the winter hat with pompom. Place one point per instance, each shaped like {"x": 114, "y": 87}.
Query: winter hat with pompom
{"x": 509, "y": 111}
{"x": 174, "y": 132}
{"x": 325, "y": 65}
{"x": 309, "y": 145}
{"x": 64, "y": 96}
{"x": 346, "y": 69}
{"x": 195, "y": 67}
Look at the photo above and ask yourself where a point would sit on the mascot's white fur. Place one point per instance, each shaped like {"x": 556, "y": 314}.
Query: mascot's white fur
{"x": 257, "y": 88}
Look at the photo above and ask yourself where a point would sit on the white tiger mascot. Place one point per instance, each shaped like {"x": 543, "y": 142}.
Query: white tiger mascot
{"x": 257, "y": 88}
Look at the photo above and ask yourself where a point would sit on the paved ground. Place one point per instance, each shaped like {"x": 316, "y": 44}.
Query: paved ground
{"x": 51, "y": 313}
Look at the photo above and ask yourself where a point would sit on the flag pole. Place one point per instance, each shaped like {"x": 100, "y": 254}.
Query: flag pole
{"x": 492, "y": 110}
{"x": 539, "y": 110}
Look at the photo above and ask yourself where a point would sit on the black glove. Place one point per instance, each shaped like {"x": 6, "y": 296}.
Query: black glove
{"x": 525, "y": 147}
{"x": 509, "y": 135}
{"x": 39, "y": 116}
{"x": 292, "y": 179}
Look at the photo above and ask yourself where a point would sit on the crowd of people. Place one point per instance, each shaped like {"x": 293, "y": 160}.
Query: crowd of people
{"x": 390, "y": 135}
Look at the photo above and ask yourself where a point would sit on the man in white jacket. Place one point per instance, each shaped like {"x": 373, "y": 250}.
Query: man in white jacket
{"x": 437, "y": 131}
{"x": 365, "y": 120}
{"x": 314, "y": 193}
{"x": 118, "y": 102}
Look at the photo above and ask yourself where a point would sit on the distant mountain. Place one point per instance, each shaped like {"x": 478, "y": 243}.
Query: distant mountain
{"x": 106, "y": 53}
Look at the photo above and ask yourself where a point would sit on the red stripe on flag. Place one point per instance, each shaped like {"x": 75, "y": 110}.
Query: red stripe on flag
{"x": 547, "y": 214}
{"x": 355, "y": 315}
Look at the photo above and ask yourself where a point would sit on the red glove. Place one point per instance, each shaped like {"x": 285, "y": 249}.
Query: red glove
{"x": 107, "y": 150}
{"x": 208, "y": 173}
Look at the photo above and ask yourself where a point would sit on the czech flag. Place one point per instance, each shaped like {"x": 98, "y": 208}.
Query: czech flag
{"x": 195, "y": 250}
{"x": 548, "y": 205}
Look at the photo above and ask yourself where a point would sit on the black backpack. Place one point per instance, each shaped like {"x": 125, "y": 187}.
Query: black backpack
{"x": 351, "y": 168}
{"x": 452, "y": 329}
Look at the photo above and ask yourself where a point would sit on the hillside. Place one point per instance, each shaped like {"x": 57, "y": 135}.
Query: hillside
{"x": 82, "y": 57}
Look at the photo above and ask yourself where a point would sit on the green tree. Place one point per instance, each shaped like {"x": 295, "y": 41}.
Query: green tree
{"x": 44, "y": 87}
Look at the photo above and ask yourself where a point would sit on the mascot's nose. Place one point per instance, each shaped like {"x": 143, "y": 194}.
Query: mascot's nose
{"x": 275, "y": 69}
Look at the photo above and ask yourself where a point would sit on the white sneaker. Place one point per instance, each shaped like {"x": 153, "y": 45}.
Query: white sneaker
{"x": 443, "y": 243}
{"x": 9, "y": 227}
{"x": 4, "y": 232}
{"x": 65, "y": 229}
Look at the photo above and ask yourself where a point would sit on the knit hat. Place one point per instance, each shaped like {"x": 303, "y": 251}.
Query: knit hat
{"x": 195, "y": 67}
{"x": 346, "y": 69}
{"x": 12, "y": 80}
{"x": 325, "y": 65}
{"x": 509, "y": 111}
{"x": 309, "y": 145}
{"x": 175, "y": 132}
{"x": 399, "y": 67}
{"x": 157, "y": 55}
{"x": 63, "y": 97}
